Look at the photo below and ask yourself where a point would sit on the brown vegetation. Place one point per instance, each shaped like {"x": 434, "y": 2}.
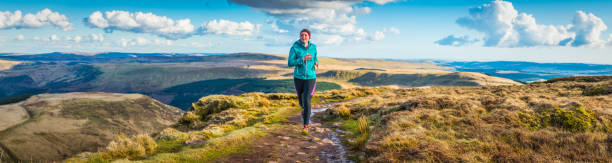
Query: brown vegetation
{"x": 539, "y": 122}
{"x": 58, "y": 126}
{"x": 215, "y": 125}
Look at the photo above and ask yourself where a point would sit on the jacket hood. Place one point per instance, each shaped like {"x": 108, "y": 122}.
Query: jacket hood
{"x": 300, "y": 43}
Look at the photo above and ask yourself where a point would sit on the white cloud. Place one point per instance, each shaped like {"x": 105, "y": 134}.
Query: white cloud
{"x": 44, "y": 17}
{"x": 275, "y": 27}
{"x": 97, "y": 37}
{"x": 20, "y": 37}
{"x": 227, "y": 27}
{"x": 77, "y": 39}
{"x": 588, "y": 29}
{"x": 609, "y": 40}
{"x": 123, "y": 42}
{"x": 381, "y": 2}
{"x": 331, "y": 19}
{"x": 139, "y": 41}
{"x": 139, "y": 22}
{"x": 504, "y": 26}
{"x": 200, "y": 45}
{"x": 394, "y": 30}
{"x": 453, "y": 40}
{"x": 86, "y": 38}
{"x": 36, "y": 38}
{"x": 378, "y": 35}
{"x": 142, "y": 41}
{"x": 53, "y": 37}
{"x": 332, "y": 39}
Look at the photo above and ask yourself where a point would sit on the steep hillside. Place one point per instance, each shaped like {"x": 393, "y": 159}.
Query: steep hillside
{"x": 377, "y": 78}
{"x": 52, "y": 127}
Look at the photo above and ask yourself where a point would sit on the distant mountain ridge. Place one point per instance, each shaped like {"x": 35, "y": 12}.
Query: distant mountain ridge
{"x": 116, "y": 57}
{"x": 152, "y": 73}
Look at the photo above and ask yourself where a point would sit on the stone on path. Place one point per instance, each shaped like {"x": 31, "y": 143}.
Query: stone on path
{"x": 337, "y": 124}
{"x": 314, "y": 139}
{"x": 327, "y": 141}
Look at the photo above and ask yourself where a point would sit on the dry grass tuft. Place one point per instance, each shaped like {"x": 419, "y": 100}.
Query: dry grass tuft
{"x": 364, "y": 125}
{"x": 342, "y": 111}
{"x": 122, "y": 147}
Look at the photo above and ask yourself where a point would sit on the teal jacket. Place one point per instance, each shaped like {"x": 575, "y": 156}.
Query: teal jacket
{"x": 303, "y": 69}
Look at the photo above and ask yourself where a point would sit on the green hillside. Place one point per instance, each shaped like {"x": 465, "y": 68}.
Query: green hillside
{"x": 185, "y": 94}
{"x": 52, "y": 127}
{"x": 537, "y": 122}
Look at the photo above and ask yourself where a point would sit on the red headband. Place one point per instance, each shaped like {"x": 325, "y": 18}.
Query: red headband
{"x": 308, "y": 34}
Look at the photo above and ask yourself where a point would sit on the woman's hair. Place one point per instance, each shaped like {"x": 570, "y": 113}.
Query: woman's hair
{"x": 307, "y": 31}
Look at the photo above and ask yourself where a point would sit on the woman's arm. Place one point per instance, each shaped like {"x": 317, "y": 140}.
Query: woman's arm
{"x": 293, "y": 59}
{"x": 316, "y": 56}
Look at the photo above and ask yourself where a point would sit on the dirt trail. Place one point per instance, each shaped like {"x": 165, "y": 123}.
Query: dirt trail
{"x": 322, "y": 144}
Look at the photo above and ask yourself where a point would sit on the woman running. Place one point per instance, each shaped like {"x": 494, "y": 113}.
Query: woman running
{"x": 303, "y": 56}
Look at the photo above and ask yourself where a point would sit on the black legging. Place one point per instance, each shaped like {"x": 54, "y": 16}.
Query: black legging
{"x": 305, "y": 89}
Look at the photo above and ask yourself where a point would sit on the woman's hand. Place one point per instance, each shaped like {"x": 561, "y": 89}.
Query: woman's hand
{"x": 316, "y": 66}
{"x": 307, "y": 57}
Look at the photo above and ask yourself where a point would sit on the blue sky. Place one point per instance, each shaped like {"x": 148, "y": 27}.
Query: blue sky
{"x": 465, "y": 30}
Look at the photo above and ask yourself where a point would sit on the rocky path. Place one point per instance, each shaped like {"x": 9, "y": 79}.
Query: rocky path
{"x": 322, "y": 144}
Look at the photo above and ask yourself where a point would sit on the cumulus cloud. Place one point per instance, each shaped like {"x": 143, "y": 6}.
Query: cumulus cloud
{"x": 199, "y": 45}
{"x": 453, "y": 40}
{"x": 378, "y": 35}
{"x": 588, "y": 29}
{"x": 139, "y": 41}
{"x": 53, "y": 37}
{"x": 503, "y": 26}
{"x": 97, "y": 37}
{"x": 609, "y": 40}
{"x": 20, "y": 37}
{"x": 275, "y": 27}
{"x": 393, "y": 30}
{"x": 140, "y": 22}
{"x": 15, "y": 20}
{"x": 330, "y": 19}
{"x": 86, "y": 38}
{"x": 227, "y": 27}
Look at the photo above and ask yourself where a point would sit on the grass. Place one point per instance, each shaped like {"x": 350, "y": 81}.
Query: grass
{"x": 222, "y": 124}
{"x": 304, "y": 132}
{"x": 598, "y": 90}
{"x": 122, "y": 147}
{"x": 187, "y": 93}
{"x": 63, "y": 124}
{"x": 538, "y": 122}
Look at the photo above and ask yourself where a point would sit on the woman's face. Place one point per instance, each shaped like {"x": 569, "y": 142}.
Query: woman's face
{"x": 304, "y": 37}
